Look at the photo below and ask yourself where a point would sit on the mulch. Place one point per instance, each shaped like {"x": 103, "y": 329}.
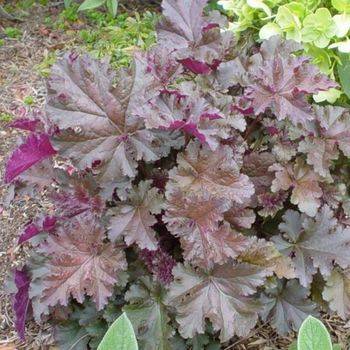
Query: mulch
{"x": 18, "y": 79}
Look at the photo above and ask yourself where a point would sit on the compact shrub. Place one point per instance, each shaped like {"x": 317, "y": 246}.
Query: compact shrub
{"x": 322, "y": 26}
{"x": 196, "y": 191}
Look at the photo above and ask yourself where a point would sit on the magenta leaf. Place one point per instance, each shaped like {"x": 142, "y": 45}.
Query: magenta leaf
{"x": 36, "y": 148}
{"x": 25, "y": 124}
{"x": 195, "y": 66}
{"x": 45, "y": 224}
{"x": 21, "y": 301}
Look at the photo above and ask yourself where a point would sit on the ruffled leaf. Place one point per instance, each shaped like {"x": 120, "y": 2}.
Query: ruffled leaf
{"x": 329, "y": 134}
{"x": 306, "y": 191}
{"x": 191, "y": 115}
{"x": 80, "y": 264}
{"x": 286, "y": 306}
{"x": 199, "y": 45}
{"x": 95, "y": 118}
{"x": 313, "y": 243}
{"x": 337, "y": 292}
{"x": 216, "y": 173}
{"x": 262, "y": 253}
{"x": 240, "y": 216}
{"x": 134, "y": 218}
{"x": 223, "y": 295}
{"x": 281, "y": 81}
{"x": 195, "y": 220}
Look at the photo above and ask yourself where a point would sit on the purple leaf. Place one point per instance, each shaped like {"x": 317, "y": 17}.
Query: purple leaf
{"x": 45, "y": 224}
{"x": 25, "y": 124}
{"x": 36, "y": 148}
{"x": 21, "y": 301}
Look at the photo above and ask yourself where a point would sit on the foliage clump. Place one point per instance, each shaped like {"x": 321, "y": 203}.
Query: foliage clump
{"x": 197, "y": 190}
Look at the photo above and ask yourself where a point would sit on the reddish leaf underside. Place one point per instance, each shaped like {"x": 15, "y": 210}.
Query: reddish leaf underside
{"x": 21, "y": 301}
{"x": 36, "y": 148}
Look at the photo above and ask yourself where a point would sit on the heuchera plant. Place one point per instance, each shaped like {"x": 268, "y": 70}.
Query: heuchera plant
{"x": 195, "y": 191}
{"x": 322, "y": 26}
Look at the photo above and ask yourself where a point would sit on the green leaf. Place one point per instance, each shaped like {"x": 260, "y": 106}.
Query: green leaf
{"x": 293, "y": 346}
{"x": 341, "y": 5}
{"x": 269, "y": 30}
{"x": 344, "y": 73}
{"x": 120, "y": 336}
{"x": 71, "y": 336}
{"x": 313, "y": 335}
{"x": 289, "y": 22}
{"x": 90, "y": 4}
{"x": 148, "y": 315}
{"x": 336, "y": 347}
{"x": 112, "y": 6}
{"x": 330, "y": 96}
{"x": 67, "y": 3}
{"x": 319, "y": 28}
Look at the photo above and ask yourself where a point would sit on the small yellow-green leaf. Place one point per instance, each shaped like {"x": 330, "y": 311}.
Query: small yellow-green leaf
{"x": 120, "y": 336}
{"x": 313, "y": 335}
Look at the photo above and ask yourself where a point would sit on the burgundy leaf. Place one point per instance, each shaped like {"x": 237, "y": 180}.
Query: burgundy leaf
{"x": 195, "y": 220}
{"x": 186, "y": 30}
{"x": 223, "y": 295}
{"x": 80, "y": 263}
{"x": 282, "y": 82}
{"x": 217, "y": 173}
{"x": 306, "y": 191}
{"x": 313, "y": 243}
{"x": 134, "y": 218}
{"x": 183, "y": 22}
{"x": 96, "y": 118}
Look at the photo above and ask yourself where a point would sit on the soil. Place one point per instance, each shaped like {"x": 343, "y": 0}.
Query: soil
{"x": 18, "y": 79}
